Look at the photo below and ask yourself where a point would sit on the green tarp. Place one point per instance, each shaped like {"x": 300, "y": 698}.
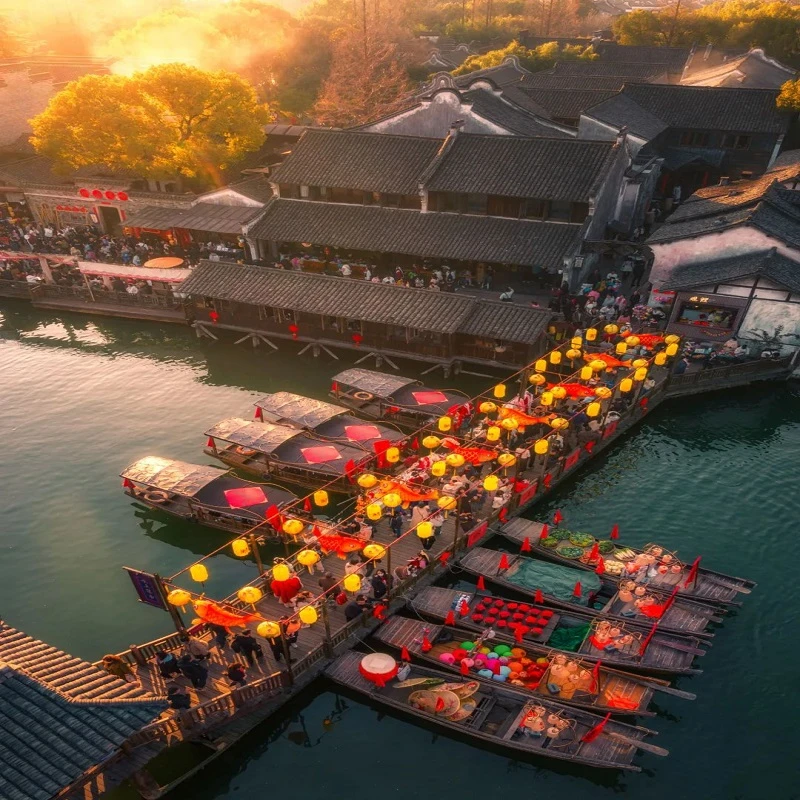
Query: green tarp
{"x": 554, "y": 580}
{"x": 568, "y": 637}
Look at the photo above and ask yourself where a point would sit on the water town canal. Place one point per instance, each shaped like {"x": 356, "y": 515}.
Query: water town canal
{"x": 80, "y": 399}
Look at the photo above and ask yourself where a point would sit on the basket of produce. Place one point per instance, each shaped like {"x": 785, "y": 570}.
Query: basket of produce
{"x": 624, "y": 554}
{"x": 581, "y": 539}
{"x": 613, "y": 567}
{"x": 567, "y": 550}
{"x": 549, "y": 541}
{"x": 605, "y": 546}
{"x": 560, "y": 534}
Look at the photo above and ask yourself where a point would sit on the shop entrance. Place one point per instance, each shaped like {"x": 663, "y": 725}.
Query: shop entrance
{"x": 111, "y": 220}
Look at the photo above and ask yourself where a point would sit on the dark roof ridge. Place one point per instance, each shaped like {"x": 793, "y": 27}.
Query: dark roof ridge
{"x": 358, "y": 131}
{"x": 441, "y": 154}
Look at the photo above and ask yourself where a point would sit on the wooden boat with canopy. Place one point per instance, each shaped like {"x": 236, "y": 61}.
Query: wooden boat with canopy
{"x": 404, "y": 401}
{"x": 660, "y": 568}
{"x": 326, "y": 421}
{"x": 209, "y": 495}
{"x": 531, "y": 668}
{"x": 287, "y": 454}
{"x": 584, "y": 593}
{"x": 561, "y": 631}
{"x": 494, "y": 715}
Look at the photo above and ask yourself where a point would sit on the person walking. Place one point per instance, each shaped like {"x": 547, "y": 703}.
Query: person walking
{"x": 196, "y": 648}
{"x": 195, "y": 671}
{"x": 237, "y": 674}
{"x": 178, "y": 698}
{"x": 220, "y": 635}
{"x": 244, "y": 644}
{"x": 167, "y": 664}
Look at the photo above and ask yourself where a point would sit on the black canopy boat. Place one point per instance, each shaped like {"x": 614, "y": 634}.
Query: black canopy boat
{"x": 664, "y": 654}
{"x": 325, "y": 420}
{"x": 286, "y": 453}
{"x": 500, "y": 717}
{"x": 405, "y": 401}
{"x": 209, "y": 495}
{"x": 707, "y": 585}
{"x": 557, "y": 675}
{"x": 557, "y": 583}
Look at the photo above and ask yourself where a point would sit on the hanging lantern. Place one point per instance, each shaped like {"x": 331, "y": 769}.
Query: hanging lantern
{"x": 438, "y": 468}
{"x": 249, "y": 594}
{"x": 352, "y": 583}
{"x": 640, "y": 374}
{"x": 540, "y": 365}
{"x": 672, "y": 349}
{"x": 455, "y": 460}
{"x": 491, "y": 483}
{"x": 493, "y": 433}
{"x": 603, "y": 392}
{"x": 536, "y": 379}
{"x": 374, "y": 550}
{"x": 541, "y": 447}
{"x": 446, "y": 502}
{"x": 445, "y": 423}
{"x": 660, "y": 359}
{"x": 320, "y": 498}
{"x": 308, "y": 615}
{"x": 559, "y": 392}
{"x": 199, "y": 573}
{"x": 424, "y": 530}
{"x": 510, "y": 424}
{"x": 269, "y": 630}
{"x": 366, "y": 481}
{"x": 611, "y": 329}
{"x": 546, "y": 398}
{"x": 598, "y": 365}
{"x": 576, "y": 342}
{"x": 672, "y": 339}
{"x": 632, "y": 341}
{"x": 555, "y": 357}
{"x": 573, "y": 354}
{"x": 621, "y": 348}
{"x": 625, "y": 385}
{"x": 374, "y": 512}
{"x": 591, "y": 334}
{"x": 587, "y": 373}
{"x": 280, "y": 572}
{"x": 392, "y": 454}
{"x": 293, "y": 527}
{"x": 431, "y": 442}
{"x": 308, "y": 558}
{"x": 559, "y": 423}
{"x": 392, "y": 500}
{"x": 506, "y": 460}
{"x": 240, "y": 547}
{"x": 179, "y": 597}
{"x": 593, "y": 409}
{"x": 487, "y": 407}
{"x": 640, "y": 362}
{"x": 500, "y": 391}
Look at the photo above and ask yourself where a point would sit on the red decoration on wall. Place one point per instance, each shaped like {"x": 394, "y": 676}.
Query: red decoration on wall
{"x": 84, "y": 193}
{"x": 294, "y": 330}
{"x": 110, "y": 195}
{"x": 213, "y": 316}
{"x": 358, "y": 338}
{"x": 122, "y": 196}
{"x": 96, "y": 193}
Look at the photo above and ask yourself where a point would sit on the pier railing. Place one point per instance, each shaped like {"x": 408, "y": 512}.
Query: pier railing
{"x": 730, "y": 375}
{"x": 45, "y": 291}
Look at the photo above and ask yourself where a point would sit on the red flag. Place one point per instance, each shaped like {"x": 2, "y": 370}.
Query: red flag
{"x": 450, "y": 619}
{"x": 481, "y": 584}
{"x": 426, "y": 644}
{"x": 273, "y": 515}
{"x": 307, "y": 504}
{"x": 404, "y": 654}
{"x": 349, "y": 469}
{"x": 127, "y": 484}
{"x": 503, "y": 515}
{"x": 601, "y": 567}
{"x": 334, "y": 387}
{"x": 259, "y": 413}
{"x": 643, "y": 648}
{"x": 518, "y": 634}
{"x": 643, "y": 403}
{"x": 591, "y": 735}
{"x": 445, "y": 557}
{"x": 538, "y": 597}
{"x": 526, "y": 545}
{"x": 594, "y": 553}
{"x": 463, "y": 608}
{"x": 595, "y": 677}
{"x": 692, "y": 576}
{"x": 379, "y": 612}
{"x": 589, "y": 446}
{"x": 670, "y": 601}
{"x": 546, "y": 480}
{"x": 210, "y": 442}
{"x": 439, "y": 704}
{"x": 544, "y": 533}
{"x": 557, "y": 517}
{"x": 464, "y": 667}
{"x": 578, "y": 590}
{"x": 316, "y": 532}
{"x": 503, "y": 562}
{"x": 615, "y": 532}
{"x": 415, "y": 443}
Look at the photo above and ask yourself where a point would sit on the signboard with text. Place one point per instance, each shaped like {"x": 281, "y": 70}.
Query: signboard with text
{"x": 147, "y": 588}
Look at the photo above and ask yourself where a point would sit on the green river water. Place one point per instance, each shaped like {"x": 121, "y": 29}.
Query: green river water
{"x": 80, "y": 399}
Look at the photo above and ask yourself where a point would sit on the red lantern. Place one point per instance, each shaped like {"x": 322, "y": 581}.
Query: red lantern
{"x": 84, "y": 193}
{"x": 122, "y": 196}
{"x": 213, "y": 316}
{"x": 294, "y": 330}
{"x": 358, "y": 338}
{"x": 110, "y": 195}
{"x": 96, "y": 193}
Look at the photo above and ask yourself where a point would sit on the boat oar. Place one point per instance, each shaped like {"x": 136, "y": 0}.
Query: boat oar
{"x": 670, "y": 690}
{"x": 684, "y": 648}
{"x": 638, "y": 744}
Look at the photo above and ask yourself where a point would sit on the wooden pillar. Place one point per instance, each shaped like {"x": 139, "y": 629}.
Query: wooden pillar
{"x": 45, "y": 265}
{"x": 287, "y": 655}
{"x": 256, "y": 553}
{"x": 328, "y": 644}
{"x": 173, "y": 612}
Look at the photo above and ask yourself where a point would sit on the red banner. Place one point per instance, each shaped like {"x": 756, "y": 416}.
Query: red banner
{"x": 476, "y": 534}
{"x": 610, "y": 430}
{"x": 529, "y": 493}
{"x": 572, "y": 459}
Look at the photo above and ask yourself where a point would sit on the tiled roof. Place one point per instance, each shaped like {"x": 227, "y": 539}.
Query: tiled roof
{"x": 442, "y": 312}
{"x": 551, "y": 80}
{"x": 463, "y": 237}
{"x": 620, "y": 110}
{"x": 675, "y": 57}
{"x": 566, "y": 103}
{"x": 630, "y": 70}
{"x": 199, "y": 217}
{"x": 555, "y": 169}
{"x": 753, "y": 70}
{"x": 767, "y": 264}
{"x": 509, "y": 322}
{"x": 372, "y": 162}
{"x": 39, "y": 170}
{"x": 257, "y": 188}
{"x": 510, "y": 116}
{"x": 501, "y": 75}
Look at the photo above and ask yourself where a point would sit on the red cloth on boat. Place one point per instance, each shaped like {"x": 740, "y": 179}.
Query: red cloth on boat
{"x": 424, "y": 398}
{"x": 320, "y": 455}
{"x": 361, "y": 433}
{"x": 378, "y": 678}
{"x": 286, "y": 590}
{"x": 246, "y": 496}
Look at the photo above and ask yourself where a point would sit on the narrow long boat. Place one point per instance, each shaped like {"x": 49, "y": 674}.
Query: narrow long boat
{"x": 708, "y": 586}
{"x": 664, "y": 655}
{"x": 209, "y": 495}
{"x": 544, "y": 671}
{"x": 558, "y": 585}
{"x": 404, "y": 401}
{"x": 286, "y": 453}
{"x": 501, "y": 717}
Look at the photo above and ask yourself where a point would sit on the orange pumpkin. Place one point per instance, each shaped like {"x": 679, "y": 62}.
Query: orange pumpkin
{"x": 515, "y": 666}
{"x": 518, "y": 652}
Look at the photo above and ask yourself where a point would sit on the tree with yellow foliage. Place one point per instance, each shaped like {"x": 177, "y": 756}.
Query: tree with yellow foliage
{"x": 170, "y": 120}
{"x": 542, "y": 57}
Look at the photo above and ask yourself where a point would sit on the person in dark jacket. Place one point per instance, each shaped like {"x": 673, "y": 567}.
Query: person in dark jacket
{"x": 195, "y": 671}
{"x": 380, "y": 584}
{"x": 167, "y": 664}
{"x": 178, "y": 698}
{"x": 220, "y": 635}
{"x": 355, "y": 608}
{"x": 244, "y": 644}
{"x": 396, "y": 523}
{"x": 237, "y": 674}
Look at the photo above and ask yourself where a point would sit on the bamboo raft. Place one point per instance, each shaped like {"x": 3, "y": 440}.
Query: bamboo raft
{"x": 499, "y": 715}
{"x": 708, "y": 587}
{"x": 683, "y": 617}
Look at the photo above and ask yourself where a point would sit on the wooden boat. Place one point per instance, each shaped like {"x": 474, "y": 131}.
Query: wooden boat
{"x": 405, "y": 401}
{"x": 286, "y": 453}
{"x": 208, "y": 495}
{"x": 708, "y": 586}
{"x": 501, "y": 717}
{"x": 609, "y": 691}
{"x": 325, "y": 420}
{"x": 665, "y": 655}
{"x": 680, "y": 615}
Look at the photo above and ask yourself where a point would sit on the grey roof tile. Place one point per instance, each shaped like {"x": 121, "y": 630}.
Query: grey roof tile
{"x": 621, "y": 110}
{"x": 555, "y": 81}
{"x": 211, "y": 217}
{"x": 630, "y": 70}
{"x": 510, "y": 116}
{"x": 566, "y": 103}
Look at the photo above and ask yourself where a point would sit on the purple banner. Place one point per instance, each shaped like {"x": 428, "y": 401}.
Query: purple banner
{"x": 146, "y": 586}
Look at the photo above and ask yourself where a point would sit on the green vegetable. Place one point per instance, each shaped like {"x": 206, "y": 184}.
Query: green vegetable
{"x": 560, "y": 534}
{"x": 550, "y": 541}
{"x": 605, "y": 546}
{"x": 568, "y": 551}
{"x": 581, "y": 539}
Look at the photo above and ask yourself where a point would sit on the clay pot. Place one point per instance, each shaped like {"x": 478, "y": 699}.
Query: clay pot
{"x": 572, "y": 667}
{"x": 538, "y": 711}
{"x": 625, "y": 595}
{"x": 552, "y": 733}
{"x": 553, "y": 719}
{"x": 656, "y": 551}
{"x": 639, "y": 591}
{"x": 559, "y": 660}
{"x": 623, "y": 640}
{"x": 667, "y": 558}
{"x": 537, "y": 724}
{"x": 663, "y": 569}
{"x": 676, "y": 568}
{"x": 615, "y": 632}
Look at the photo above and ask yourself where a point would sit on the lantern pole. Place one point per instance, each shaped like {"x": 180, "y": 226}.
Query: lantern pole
{"x": 328, "y": 644}
{"x": 456, "y": 527}
{"x": 285, "y": 539}
{"x": 389, "y": 573}
{"x": 251, "y": 537}
{"x": 287, "y": 656}
{"x": 173, "y": 612}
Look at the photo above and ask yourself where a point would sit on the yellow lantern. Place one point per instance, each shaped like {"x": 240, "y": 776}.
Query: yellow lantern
{"x": 506, "y": 460}
{"x": 593, "y": 409}
{"x": 487, "y": 407}
{"x": 424, "y": 530}
{"x": 367, "y": 480}
{"x": 576, "y": 342}
{"x": 591, "y": 334}
{"x": 374, "y": 550}
{"x": 559, "y": 392}
{"x": 541, "y": 447}
{"x": 573, "y": 354}
{"x": 250, "y": 594}
{"x": 500, "y": 391}
{"x": 633, "y": 341}
{"x": 660, "y": 359}
{"x": 392, "y": 500}
{"x": 438, "y": 468}
{"x": 611, "y": 329}
{"x": 179, "y": 597}
{"x": 280, "y": 572}
{"x": 308, "y": 615}
{"x": 586, "y": 373}
{"x": 374, "y": 512}
{"x": 491, "y": 483}
{"x": 555, "y": 357}
{"x": 445, "y": 423}
{"x": 352, "y": 583}
{"x": 639, "y": 362}
{"x": 431, "y": 442}
{"x": 446, "y": 502}
{"x": 603, "y": 392}
{"x": 625, "y": 385}
{"x": 536, "y": 379}
{"x": 510, "y": 424}
{"x": 672, "y": 349}
{"x": 320, "y": 498}
{"x": 598, "y": 365}
{"x": 559, "y": 424}
{"x": 540, "y": 365}
{"x": 308, "y": 558}
{"x": 640, "y": 374}
{"x": 293, "y": 527}
{"x": 240, "y": 547}
{"x": 672, "y": 339}
{"x": 392, "y": 454}
{"x": 546, "y": 398}
{"x": 621, "y": 348}
{"x": 269, "y": 630}
{"x": 199, "y": 573}
{"x": 455, "y": 460}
